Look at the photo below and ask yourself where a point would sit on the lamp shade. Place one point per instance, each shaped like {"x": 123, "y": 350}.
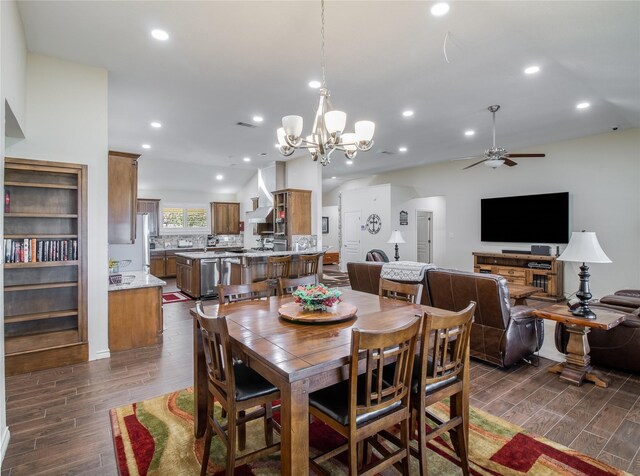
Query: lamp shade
{"x": 349, "y": 141}
{"x": 281, "y": 135}
{"x": 335, "y": 121}
{"x": 365, "y": 130}
{"x": 396, "y": 237}
{"x": 292, "y": 125}
{"x": 583, "y": 247}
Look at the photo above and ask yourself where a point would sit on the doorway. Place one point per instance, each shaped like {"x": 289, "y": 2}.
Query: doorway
{"x": 350, "y": 238}
{"x": 424, "y": 241}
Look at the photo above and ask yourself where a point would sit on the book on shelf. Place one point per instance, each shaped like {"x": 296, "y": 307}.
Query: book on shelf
{"x": 39, "y": 250}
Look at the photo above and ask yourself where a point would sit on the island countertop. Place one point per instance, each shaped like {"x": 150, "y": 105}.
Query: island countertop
{"x": 140, "y": 280}
{"x": 249, "y": 254}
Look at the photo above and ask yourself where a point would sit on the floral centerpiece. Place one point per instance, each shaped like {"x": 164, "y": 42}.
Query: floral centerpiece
{"x": 317, "y": 297}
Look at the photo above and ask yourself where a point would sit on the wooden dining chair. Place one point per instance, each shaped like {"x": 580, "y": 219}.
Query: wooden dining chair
{"x": 308, "y": 264}
{"x": 361, "y": 407}
{"x": 288, "y": 285}
{"x": 278, "y": 267}
{"x": 244, "y": 292}
{"x": 411, "y": 293}
{"x": 237, "y": 388}
{"x": 443, "y": 371}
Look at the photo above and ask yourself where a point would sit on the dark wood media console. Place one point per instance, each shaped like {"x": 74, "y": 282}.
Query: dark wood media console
{"x": 547, "y": 274}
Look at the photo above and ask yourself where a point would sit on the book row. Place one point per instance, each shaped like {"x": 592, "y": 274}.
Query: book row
{"x": 33, "y": 250}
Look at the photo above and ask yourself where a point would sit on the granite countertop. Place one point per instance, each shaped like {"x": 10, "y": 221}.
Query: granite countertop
{"x": 249, "y": 254}
{"x": 141, "y": 280}
{"x": 191, "y": 248}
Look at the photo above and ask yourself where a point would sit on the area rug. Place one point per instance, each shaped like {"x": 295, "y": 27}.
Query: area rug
{"x": 176, "y": 296}
{"x": 333, "y": 277}
{"x": 155, "y": 437}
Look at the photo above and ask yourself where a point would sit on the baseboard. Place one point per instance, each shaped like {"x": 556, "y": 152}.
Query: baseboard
{"x": 4, "y": 442}
{"x": 103, "y": 354}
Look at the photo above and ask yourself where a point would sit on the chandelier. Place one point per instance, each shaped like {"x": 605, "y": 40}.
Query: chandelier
{"x": 327, "y": 134}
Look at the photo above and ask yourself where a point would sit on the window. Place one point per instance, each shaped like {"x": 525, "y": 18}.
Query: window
{"x": 185, "y": 219}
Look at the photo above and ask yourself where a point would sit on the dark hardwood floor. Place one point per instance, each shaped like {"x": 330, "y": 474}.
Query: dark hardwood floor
{"x": 59, "y": 419}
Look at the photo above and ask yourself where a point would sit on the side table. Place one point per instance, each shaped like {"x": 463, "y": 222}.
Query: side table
{"x": 520, "y": 293}
{"x": 577, "y": 366}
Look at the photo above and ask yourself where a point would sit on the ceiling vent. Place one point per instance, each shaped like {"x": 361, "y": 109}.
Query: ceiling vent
{"x": 384, "y": 152}
{"x": 244, "y": 124}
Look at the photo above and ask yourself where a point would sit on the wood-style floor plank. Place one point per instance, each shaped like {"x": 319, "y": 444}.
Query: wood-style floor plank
{"x": 59, "y": 418}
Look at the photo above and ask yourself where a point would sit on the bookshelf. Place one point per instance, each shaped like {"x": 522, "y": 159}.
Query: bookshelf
{"x": 45, "y": 265}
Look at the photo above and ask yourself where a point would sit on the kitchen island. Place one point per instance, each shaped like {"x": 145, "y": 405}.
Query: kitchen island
{"x": 199, "y": 273}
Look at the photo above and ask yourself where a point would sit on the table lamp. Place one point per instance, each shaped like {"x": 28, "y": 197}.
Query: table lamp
{"x": 396, "y": 237}
{"x": 584, "y": 248}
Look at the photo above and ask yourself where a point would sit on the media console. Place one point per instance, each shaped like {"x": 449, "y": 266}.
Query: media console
{"x": 544, "y": 272}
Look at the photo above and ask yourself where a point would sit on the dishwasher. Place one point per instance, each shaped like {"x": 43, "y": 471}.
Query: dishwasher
{"x": 213, "y": 271}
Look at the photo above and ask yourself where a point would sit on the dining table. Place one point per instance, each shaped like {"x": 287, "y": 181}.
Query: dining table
{"x": 298, "y": 358}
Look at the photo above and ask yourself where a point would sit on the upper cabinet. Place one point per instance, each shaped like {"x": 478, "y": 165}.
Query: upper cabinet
{"x": 151, "y": 206}
{"x": 225, "y": 218}
{"x": 292, "y": 213}
{"x": 123, "y": 195}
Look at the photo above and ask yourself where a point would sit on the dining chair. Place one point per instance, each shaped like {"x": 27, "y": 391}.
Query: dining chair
{"x": 308, "y": 264}
{"x": 278, "y": 267}
{"x": 411, "y": 293}
{"x": 237, "y": 388}
{"x": 288, "y": 285}
{"x": 442, "y": 371}
{"x": 244, "y": 292}
{"x": 362, "y": 406}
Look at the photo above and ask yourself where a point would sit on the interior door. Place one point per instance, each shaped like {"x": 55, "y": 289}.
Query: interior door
{"x": 350, "y": 238}
{"x": 424, "y": 224}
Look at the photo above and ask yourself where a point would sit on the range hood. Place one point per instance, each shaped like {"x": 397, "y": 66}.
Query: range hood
{"x": 270, "y": 179}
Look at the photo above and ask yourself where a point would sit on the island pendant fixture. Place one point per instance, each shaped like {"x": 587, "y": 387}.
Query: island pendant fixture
{"x": 328, "y": 133}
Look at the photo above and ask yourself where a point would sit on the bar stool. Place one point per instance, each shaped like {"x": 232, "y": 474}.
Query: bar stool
{"x": 308, "y": 264}
{"x": 278, "y": 267}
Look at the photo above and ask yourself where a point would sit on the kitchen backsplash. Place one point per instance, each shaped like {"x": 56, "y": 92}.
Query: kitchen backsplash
{"x": 197, "y": 241}
{"x": 303, "y": 242}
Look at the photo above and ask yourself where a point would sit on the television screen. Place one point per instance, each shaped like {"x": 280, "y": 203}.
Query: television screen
{"x": 526, "y": 218}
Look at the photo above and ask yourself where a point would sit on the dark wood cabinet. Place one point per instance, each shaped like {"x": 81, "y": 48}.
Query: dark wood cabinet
{"x": 188, "y": 276}
{"x": 135, "y": 318}
{"x": 123, "y": 195}
{"x": 170, "y": 266}
{"x": 45, "y": 265}
{"x": 225, "y": 218}
{"x": 157, "y": 265}
{"x": 292, "y": 213}
{"x": 151, "y": 206}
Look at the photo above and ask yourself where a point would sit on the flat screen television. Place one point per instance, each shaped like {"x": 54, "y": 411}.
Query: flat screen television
{"x": 526, "y": 218}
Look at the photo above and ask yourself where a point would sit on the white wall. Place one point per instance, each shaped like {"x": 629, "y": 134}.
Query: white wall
{"x": 66, "y": 113}
{"x": 600, "y": 172}
{"x": 303, "y": 173}
{"x": 331, "y": 238}
{"x": 244, "y": 196}
{"x": 14, "y": 62}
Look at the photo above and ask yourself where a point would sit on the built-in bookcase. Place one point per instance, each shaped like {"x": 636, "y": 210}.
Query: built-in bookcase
{"x": 45, "y": 265}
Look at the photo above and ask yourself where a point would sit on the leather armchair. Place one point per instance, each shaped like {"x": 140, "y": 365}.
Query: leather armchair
{"x": 501, "y": 334}
{"x": 377, "y": 255}
{"x": 617, "y": 348}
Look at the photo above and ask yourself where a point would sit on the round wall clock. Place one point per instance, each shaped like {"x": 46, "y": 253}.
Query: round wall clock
{"x": 374, "y": 223}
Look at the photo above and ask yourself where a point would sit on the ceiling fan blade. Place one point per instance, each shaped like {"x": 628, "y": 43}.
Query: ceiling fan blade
{"x": 467, "y": 158}
{"x": 509, "y": 162}
{"x": 524, "y": 155}
{"x": 473, "y": 165}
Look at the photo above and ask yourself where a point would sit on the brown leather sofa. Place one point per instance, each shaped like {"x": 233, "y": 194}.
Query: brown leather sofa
{"x": 501, "y": 334}
{"x": 617, "y": 348}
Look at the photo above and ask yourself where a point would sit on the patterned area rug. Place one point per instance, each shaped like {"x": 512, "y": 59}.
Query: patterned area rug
{"x": 155, "y": 437}
{"x": 177, "y": 296}
{"x": 333, "y": 277}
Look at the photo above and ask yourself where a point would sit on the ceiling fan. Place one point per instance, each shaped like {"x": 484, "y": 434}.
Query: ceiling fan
{"x": 496, "y": 156}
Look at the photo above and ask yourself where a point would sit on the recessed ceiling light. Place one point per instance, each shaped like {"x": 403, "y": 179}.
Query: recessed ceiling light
{"x": 146, "y": 146}
{"x": 258, "y": 118}
{"x": 532, "y": 69}
{"x": 247, "y": 159}
{"x": 156, "y": 124}
{"x": 315, "y": 84}
{"x": 582, "y": 105}
{"x": 439, "y": 9}
{"x": 469, "y": 133}
{"x": 407, "y": 113}
{"x": 219, "y": 177}
{"x": 160, "y": 35}
{"x": 334, "y": 177}
{"x": 402, "y": 149}
{"x": 349, "y": 162}
{"x": 277, "y": 146}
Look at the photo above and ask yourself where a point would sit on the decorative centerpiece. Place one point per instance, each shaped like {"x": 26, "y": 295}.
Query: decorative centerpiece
{"x": 317, "y": 297}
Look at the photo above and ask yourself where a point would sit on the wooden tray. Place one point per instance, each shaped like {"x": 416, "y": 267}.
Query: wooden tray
{"x": 293, "y": 312}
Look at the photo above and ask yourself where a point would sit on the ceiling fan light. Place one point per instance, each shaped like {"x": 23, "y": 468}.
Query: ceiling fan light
{"x": 335, "y": 121}
{"x": 494, "y": 163}
{"x": 364, "y": 130}
{"x": 292, "y": 125}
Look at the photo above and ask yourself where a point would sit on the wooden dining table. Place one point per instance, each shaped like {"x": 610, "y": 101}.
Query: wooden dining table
{"x": 297, "y": 358}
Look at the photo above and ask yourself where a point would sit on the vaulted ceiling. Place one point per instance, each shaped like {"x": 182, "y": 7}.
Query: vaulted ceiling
{"x": 226, "y": 62}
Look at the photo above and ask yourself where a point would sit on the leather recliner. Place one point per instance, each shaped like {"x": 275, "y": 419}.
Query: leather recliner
{"x": 617, "y": 348}
{"x": 377, "y": 255}
{"x": 501, "y": 334}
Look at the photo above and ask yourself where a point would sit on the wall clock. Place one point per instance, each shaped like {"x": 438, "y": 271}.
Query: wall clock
{"x": 374, "y": 223}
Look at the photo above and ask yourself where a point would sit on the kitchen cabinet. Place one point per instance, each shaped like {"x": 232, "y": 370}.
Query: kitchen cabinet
{"x": 188, "y": 276}
{"x": 45, "y": 265}
{"x": 157, "y": 264}
{"x": 122, "y": 197}
{"x": 292, "y": 213}
{"x": 170, "y": 265}
{"x": 151, "y": 206}
{"x": 225, "y": 218}
{"x": 135, "y": 318}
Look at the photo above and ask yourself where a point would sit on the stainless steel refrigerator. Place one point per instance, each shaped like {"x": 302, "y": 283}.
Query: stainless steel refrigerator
{"x": 138, "y": 252}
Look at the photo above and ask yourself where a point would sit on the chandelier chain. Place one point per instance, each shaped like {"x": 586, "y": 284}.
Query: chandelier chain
{"x": 322, "y": 65}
